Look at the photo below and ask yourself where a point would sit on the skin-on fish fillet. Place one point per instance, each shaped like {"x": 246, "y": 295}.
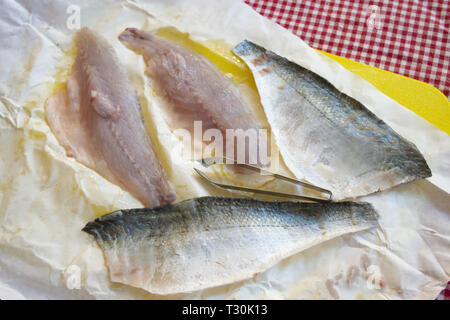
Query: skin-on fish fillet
{"x": 325, "y": 136}
{"x": 195, "y": 90}
{"x": 209, "y": 241}
{"x": 98, "y": 120}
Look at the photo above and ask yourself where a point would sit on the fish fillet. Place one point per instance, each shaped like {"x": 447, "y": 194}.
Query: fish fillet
{"x": 195, "y": 90}
{"x": 325, "y": 136}
{"x": 98, "y": 120}
{"x": 209, "y": 241}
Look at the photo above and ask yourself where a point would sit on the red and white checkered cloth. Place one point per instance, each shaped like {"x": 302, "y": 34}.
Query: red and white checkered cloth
{"x": 408, "y": 37}
{"x": 445, "y": 294}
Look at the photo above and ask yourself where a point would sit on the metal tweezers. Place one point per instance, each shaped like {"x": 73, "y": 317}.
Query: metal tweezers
{"x": 206, "y": 162}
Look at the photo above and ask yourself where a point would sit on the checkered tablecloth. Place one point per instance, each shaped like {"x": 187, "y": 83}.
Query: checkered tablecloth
{"x": 408, "y": 37}
{"x": 445, "y": 293}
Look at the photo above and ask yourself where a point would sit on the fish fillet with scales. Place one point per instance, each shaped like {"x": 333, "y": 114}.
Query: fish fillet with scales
{"x": 98, "y": 120}
{"x": 210, "y": 241}
{"x": 325, "y": 136}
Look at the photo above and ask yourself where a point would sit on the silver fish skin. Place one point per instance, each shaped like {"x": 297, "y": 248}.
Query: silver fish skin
{"x": 325, "y": 136}
{"x": 97, "y": 118}
{"x": 212, "y": 241}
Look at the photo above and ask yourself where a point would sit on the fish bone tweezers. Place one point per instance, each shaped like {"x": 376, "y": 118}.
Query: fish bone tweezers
{"x": 206, "y": 162}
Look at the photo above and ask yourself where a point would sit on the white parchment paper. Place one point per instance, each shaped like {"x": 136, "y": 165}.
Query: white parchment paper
{"x": 46, "y": 198}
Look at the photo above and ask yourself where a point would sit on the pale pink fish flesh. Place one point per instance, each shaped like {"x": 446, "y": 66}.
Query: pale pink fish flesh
{"x": 195, "y": 90}
{"x": 98, "y": 120}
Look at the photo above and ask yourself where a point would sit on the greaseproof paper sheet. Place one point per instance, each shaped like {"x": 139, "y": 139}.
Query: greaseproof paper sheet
{"x": 46, "y": 198}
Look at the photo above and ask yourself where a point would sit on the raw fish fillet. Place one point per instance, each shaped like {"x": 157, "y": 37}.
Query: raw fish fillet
{"x": 98, "y": 120}
{"x": 209, "y": 241}
{"x": 325, "y": 136}
{"x": 195, "y": 90}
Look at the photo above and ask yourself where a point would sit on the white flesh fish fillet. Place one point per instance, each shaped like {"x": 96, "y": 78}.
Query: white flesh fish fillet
{"x": 206, "y": 242}
{"x": 98, "y": 120}
{"x": 194, "y": 89}
{"x": 325, "y": 136}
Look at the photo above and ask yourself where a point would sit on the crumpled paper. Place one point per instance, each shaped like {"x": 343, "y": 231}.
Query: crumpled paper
{"x": 46, "y": 198}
